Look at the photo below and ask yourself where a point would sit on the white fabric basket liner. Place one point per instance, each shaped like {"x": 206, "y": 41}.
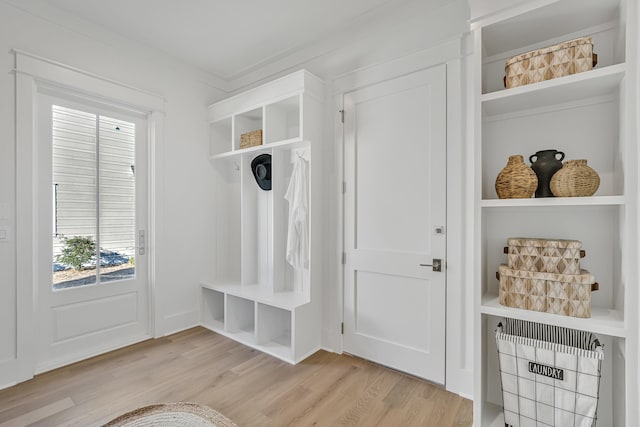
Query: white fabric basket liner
{"x": 548, "y": 383}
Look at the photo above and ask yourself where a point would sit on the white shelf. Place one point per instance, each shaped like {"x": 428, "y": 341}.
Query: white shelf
{"x": 264, "y": 147}
{"x": 554, "y": 201}
{"x": 576, "y": 87}
{"x": 283, "y": 300}
{"x": 602, "y": 320}
{"x": 586, "y": 116}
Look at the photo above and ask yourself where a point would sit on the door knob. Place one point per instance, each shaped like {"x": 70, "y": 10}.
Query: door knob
{"x": 436, "y": 264}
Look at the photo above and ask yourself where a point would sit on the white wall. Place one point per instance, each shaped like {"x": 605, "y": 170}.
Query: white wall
{"x": 183, "y": 171}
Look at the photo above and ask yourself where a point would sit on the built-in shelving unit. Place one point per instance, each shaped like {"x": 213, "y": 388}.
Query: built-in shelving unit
{"x": 255, "y": 296}
{"x": 586, "y": 116}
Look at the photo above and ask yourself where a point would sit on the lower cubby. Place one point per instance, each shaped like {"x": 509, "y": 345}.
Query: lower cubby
{"x": 240, "y": 318}
{"x": 266, "y": 324}
{"x": 273, "y": 330}
{"x": 213, "y": 309}
{"x": 611, "y": 410}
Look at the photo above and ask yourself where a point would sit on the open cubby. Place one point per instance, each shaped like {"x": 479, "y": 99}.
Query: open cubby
{"x": 247, "y": 122}
{"x": 273, "y": 329}
{"x": 555, "y": 23}
{"x": 240, "y": 317}
{"x": 589, "y": 131}
{"x": 611, "y": 403}
{"x": 597, "y": 229}
{"x": 282, "y": 120}
{"x": 213, "y": 309}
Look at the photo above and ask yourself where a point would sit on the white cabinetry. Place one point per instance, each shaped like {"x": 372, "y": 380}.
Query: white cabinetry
{"x": 256, "y": 296}
{"x": 587, "y": 116}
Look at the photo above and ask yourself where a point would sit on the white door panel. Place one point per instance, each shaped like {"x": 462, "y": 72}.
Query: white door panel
{"x": 388, "y": 313}
{"x": 395, "y": 158}
{"x": 103, "y": 196}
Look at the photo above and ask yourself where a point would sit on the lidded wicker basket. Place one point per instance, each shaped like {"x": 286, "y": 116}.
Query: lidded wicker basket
{"x": 562, "y": 59}
{"x": 544, "y": 255}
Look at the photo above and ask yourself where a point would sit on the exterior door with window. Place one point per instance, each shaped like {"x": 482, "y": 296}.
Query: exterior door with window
{"x": 92, "y": 279}
{"x": 395, "y": 212}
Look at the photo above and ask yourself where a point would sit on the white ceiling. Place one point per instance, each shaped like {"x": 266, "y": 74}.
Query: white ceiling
{"x": 227, "y": 38}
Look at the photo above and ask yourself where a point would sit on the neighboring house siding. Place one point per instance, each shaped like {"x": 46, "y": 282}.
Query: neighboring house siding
{"x": 74, "y": 174}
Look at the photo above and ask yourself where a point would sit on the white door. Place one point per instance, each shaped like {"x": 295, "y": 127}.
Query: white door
{"x": 92, "y": 273}
{"x": 395, "y": 211}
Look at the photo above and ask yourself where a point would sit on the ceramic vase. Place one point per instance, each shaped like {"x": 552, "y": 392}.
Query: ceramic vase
{"x": 545, "y": 164}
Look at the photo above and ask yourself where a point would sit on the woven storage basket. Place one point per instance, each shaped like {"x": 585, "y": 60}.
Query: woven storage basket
{"x": 251, "y": 139}
{"x": 543, "y": 255}
{"x": 562, "y": 59}
{"x": 565, "y": 294}
{"x": 575, "y": 179}
{"x": 522, "y": 289}
{"x": 516, "y": 180}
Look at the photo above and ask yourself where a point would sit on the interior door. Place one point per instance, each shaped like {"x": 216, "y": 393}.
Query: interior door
{"x": 92, "y": 265}
{"x": 395, "y": 211}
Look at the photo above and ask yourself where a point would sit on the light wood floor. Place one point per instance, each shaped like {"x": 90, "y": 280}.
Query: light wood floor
{"x": 249, "y": 387}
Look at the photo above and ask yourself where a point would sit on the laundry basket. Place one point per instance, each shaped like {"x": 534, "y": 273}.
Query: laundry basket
{"x": 550, "y": 375}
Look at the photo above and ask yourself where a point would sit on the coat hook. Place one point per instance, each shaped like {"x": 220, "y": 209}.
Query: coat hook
{"x": 237, "y": 166}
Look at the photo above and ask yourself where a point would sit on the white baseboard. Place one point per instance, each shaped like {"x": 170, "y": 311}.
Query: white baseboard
{"x": 78, "y": 357}
{"x": 178, "y": 322}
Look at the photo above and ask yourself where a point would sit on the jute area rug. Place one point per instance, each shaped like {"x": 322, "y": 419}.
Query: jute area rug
{"x": 172, "y": 415}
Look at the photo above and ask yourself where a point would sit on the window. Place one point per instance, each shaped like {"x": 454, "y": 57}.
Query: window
{"x": 94, "y": 212}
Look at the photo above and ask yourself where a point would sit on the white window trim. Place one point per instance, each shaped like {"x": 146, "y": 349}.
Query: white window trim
{"x": 33, "y": 72}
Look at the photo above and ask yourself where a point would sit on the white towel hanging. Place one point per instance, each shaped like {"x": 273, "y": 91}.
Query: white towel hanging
{"x": 298, "y": 229}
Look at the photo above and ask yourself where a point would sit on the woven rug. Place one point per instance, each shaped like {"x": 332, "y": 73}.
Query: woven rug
{"x": 172, "y": 415}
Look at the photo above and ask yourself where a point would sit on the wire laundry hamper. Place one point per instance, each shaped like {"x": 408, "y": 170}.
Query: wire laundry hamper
{"x": 550, "y": 375}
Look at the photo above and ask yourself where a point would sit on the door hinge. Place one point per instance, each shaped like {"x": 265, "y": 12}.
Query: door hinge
{"x": 341, "y": 115}
{"x": 344, "y": 258}
{"x": 342, "y": 328}
{"x": 344, "y": 187}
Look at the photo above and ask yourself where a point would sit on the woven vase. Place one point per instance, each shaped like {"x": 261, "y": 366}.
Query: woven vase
{"x": 575, "y": 179}
{"x": 516, "y": 180}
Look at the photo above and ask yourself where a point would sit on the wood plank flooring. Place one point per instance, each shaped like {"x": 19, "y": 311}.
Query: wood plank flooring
{"x": 249, "y": 387}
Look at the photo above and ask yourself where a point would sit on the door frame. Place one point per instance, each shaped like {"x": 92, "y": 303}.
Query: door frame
{"x": 33, "y": 72}
{"x": 459, "y": 303}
